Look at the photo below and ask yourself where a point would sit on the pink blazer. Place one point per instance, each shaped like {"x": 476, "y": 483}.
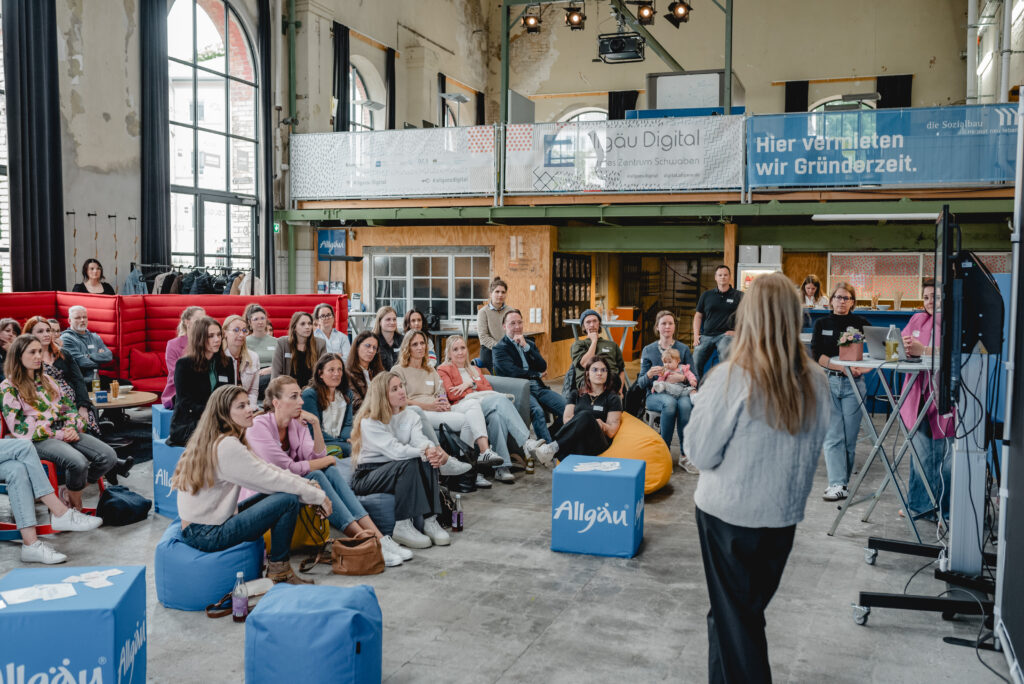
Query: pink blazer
{"x": 452, "y": 378}
{"x": 175, "y": 350}
{"x": 264, "y": 441}
{"x": 920, "y": 328}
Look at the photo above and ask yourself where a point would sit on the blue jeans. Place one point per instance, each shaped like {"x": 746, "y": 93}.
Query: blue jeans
{"x": 542, "y": 398}
{"x": 843, "y": 427}
{"x": 257, "y": 514}
{"x": 26, "y": 480}
{"x": 937, "y": 461}
{"x": 345, "y": 507}
{"x": 675, "y": 413}
{"x": 503, "y": 420}
{"x": 84, "y": 461}
{"x": 708, "y": 343}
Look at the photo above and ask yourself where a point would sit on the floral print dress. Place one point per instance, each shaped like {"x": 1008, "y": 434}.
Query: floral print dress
{"x": 42, "y": 419}
{"x": 92, "y": 424}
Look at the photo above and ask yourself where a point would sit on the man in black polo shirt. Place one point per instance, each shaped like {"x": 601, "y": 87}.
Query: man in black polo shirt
{"x": 715, "y": 320}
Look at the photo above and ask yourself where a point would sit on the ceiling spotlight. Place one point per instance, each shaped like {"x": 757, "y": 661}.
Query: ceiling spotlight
{"x": 575, "y": 19}
{"x": 531, "y": 19}
{"x": 645, "y": 13}
{"x": 678, "y": 13}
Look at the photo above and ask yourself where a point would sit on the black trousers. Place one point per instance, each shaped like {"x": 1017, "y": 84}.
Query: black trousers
{"x": 743, "y": 566}
{"x": 413, "y": 482}
{"x": 582, "y": 435}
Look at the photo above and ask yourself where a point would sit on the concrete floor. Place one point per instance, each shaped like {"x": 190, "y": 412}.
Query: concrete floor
{"x": 499, "y": 606}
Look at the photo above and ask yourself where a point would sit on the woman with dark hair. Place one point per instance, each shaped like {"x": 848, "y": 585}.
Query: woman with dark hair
{"x": 92, "y": 279}
{"x": 329, "y": 398}
{"x": 414, "y": 320}
{"x": 489, "y": 321}
{"x": 362, "y": 366}
{"x": 811, "y": 291}
{"x": 9, "y": 329}
{"x": 385, "y": 329}
{"x": 296, "y": 354}
{"x": 176, "y": 347}
{"x": 202, "y": 369}
{"x": 335, "y": 341}
{"x": 592, "y": 416}
{"x": 35, "y": 408}
{"x": 64, "y": 370}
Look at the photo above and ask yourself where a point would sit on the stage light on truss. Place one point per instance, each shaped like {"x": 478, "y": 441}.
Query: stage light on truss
{"x": 645, "y": 13}
{"x": 678, "y": 13}
{"x": 575, "y": 19}
{"x": 531, "y": 19}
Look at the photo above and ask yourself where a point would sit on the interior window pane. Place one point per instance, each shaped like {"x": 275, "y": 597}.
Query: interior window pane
{"x": 420, "y": 287}
{"x": 439, "y": 266}
{"x": 212, "y": 161}
{"x": 210, "y": 50}
{"x": 439, "y": 307}
{"x": 242, "y": 263}
{"x": 439, "y": 288}
{"x": 215, "y": 229}
{"x": 243, "y": 109}
{"x": 380, "y": 266}
{"x": 480, "y": 290}
{"x": 210, "y": 91}
{"x": 179, "y": 30}
{"x": 463, "y": 308}
{"x": 183, "y": 230}
{"x": 398, "y": 266}
{"x": 180, "y": 93}
{"x": 3, "y": 121}
{"x": 463, "y": 267}
{"x": 241, "y": 229}
{"x": 421, "y": 266}
{"x": 482, "y": 267}
{"x": 240, "y": 61}
{"x": 243, "y": 167}
{"x": 5, "y": 220}
{"x": 182, "y": 156}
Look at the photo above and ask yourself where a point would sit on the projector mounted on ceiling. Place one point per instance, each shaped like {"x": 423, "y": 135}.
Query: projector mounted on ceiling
{"x": 620, "y": 48}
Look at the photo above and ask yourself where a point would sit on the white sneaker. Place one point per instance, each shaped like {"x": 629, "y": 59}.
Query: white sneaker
{"x": 389, "y": 550}
{"x": 546, "y": 453}
{"x": 406, "y": 534}
{"x": 685, "y": 464}
{"x": 481, "y": 482}
{"x": 403, "y": 553}
{"x": 531, "y": 446}
{"x": 41, "y": 552}
{"x": 504, "y": 475}
{"x": 454, "y": 466}
{"x": 490, "y": 457}
{"x": 835, "y": 493}
{"x": 74, "y": 521}
{"x": 437, "y": 534}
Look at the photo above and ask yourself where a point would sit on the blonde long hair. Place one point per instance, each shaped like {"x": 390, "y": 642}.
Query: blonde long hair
{"x": 405, "y": 351}
{"x": 197, "y": 467}
{"x": 449, "y": 343}
{"x": 783, "y": 380}
{"x": 376, "y": 406}
{"x": 185, "y": 315}
{"x": 243, "y": 353}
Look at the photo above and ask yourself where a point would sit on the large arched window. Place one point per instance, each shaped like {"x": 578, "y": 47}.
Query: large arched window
{"x": 5, "y": 201}
{"x": 214, "y": 145}
{"x": 587, "y": 114}
{"x": 360, "y": 110}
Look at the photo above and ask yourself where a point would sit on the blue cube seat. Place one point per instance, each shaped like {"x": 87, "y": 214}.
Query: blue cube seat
{"x": 165, "y": 460}
{"x": 161, "y": 421}
{"x": 381, "y": 507}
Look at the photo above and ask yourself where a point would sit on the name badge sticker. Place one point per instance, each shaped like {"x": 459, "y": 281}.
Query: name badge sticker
{"x": 271, "y": 348}
{"x": 599, "y": 407}
{"x": 91, "y": 346}
{"x": 430, "y": 382}
{"x": 916, "y": 333}
{"x": 222, "y": 378}
{"x": 827, "y": 332}
{"x": 728, "y": 301}
{"x": 287, "y": 355}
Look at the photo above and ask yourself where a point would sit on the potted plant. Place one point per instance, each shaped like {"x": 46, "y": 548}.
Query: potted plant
{"x": 851, "y": 345}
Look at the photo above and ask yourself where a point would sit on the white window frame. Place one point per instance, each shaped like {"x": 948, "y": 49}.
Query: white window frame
{"x": 369, "y": 278}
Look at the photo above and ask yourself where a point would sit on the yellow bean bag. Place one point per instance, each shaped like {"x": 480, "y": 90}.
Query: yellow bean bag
{"x": 637, "y": 440}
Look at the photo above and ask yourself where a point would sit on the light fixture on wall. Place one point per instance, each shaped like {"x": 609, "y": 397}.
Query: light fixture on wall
{"x": 575, "y": 18}
{"x": 531, "y": 19}
{"x": 645, "y": 13}
{"x": 678, "y": 13}
{"x": 372, "y": 105}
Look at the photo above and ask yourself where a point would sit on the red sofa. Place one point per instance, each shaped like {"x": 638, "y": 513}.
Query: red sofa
{"x": 137, "y": 327}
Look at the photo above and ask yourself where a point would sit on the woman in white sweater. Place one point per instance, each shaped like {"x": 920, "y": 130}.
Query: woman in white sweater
{"x": 756, "y": 433}
{"x": 216, "y": 464}
{"x": 391, "y": 454}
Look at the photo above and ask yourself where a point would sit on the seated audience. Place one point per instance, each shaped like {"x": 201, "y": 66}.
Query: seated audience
{"x": 92, "y": 279}
{"x": 592, "y": 416}
{"x": 54, "y": 328}
{"x": 391, "y": 454}
{"x": 362, "y": 366}
{"x": 488, "y": 321}
{"x": 296, "y": 354}
{"x": 64, "y": 370}
{"x": 424, "y": 388}
{"x": 9, "y": 329}
{"x": 593, "y": 345}
{"x": 385, "y": 329}
{"x": 329, "y": 398}
{"x": 290, "y": 438}
{"x": 176, "y": 347}
{"x": 811, "y": 290}
{"x": 26, "y": 482}
{"x": 261, "y": 341}
{"x": 714, "y": 320}
{"x": 674, "y": 410}
{"x": 933, "y": 440}
{"x": 516, "y": 356}
{"x": 844, "y": 424}
{"x": 335, "y": 341}
{"x": 86, "y": 348}
{"x": 414, "y": 321}
{"x": 245, "y": 360}
{"x": 464, "y": 382}
{"x": 215, "y": 465}
{"x": 202, "y": 369}
{"x": 35, "y": 409}
{"x": 756, "y": 434}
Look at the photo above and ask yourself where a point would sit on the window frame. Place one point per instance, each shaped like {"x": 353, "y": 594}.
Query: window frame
{"x": 6, "y": 283}
{"x": 356, "y": 81}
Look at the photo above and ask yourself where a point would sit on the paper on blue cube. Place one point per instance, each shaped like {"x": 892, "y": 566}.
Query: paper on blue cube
{"x": 597, "y": 506}
{"x": 165, "y": 460}
{"x": 315, "y": 634}
{"x": 96, "y": 635}
{"x": 161, "y": 421}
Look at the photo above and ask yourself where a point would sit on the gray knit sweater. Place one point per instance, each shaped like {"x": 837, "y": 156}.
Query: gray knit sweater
{"x": 751, "y": 475}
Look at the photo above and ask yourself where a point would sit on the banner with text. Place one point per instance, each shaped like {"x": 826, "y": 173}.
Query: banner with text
{"x": 646, "y": 155}
{"x": 408, "y": 163}
{"x": 928, "y": 146}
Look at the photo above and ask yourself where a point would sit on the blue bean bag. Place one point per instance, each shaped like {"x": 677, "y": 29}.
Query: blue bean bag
{"x": 315, "y": 633}
{"x": 381, "y": 507}
{"x": 189, "y": 579}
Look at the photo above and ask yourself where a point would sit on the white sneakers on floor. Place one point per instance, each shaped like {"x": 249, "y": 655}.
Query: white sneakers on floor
{"x": 546, "y": 453}
{"x": 74, "y": 521}
{"x": 504, "y": 475}
{"x": 41, "y": 552}
{"x": 530, "y": 446}
{"x": 685, "y": 464}
{"x": 490, "y": 457}
{"x": 392, "y": 552}
{"x": 435, "y": 532}
{"x": 835, "y": 493}
{"x": 406, "y": 534}
{"x": 481, "y": 482}
{"x": 454, "y": 466}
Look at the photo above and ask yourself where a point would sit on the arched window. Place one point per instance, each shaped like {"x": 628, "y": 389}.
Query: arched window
{"x": 588, "y": 114}
{"x": 5, "y": 206}
{"x": 213, "y": 137}
{"x": 360, "y": 113}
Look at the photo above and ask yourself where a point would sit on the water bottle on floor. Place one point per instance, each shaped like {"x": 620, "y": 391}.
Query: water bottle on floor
{"x": 239, "y": 599}
{"x": 457, "y": 517}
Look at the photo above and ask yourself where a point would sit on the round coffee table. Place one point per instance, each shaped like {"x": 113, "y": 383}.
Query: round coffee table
{"x": 124, "y": 400}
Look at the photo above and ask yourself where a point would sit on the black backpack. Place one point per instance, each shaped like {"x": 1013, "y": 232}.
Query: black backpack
{"x": 121, "y": 506}
{"x": 633, "y": 402}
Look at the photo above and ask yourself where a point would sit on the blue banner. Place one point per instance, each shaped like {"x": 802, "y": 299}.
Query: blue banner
{"x": 930, "y": 146}
{"x": 330, "y": 244}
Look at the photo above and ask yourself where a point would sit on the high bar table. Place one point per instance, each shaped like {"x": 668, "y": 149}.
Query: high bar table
{"x": 605, "y": 328}
{"x": 878, "y": 447}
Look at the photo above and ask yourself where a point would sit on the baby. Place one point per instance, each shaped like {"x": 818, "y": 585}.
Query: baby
{"x": 676, "y": 379}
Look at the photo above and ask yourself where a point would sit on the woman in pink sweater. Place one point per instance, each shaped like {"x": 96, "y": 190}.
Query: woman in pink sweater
{"x": 176, "y": 348}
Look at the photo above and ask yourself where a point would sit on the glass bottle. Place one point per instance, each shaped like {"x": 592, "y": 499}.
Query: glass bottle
{"x": 892, "y": 344}
{"x": 457, "y": 516}
{"x": 239, "y": 599}
{"x": 529, "y": 465}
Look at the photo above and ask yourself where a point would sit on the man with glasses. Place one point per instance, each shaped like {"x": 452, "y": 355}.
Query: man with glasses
{"x": 715, "y": 320}
{"x": 337, "y": 342}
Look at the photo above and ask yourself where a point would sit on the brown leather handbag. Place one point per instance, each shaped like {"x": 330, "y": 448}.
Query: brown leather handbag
{"x": 359, "y": 555}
